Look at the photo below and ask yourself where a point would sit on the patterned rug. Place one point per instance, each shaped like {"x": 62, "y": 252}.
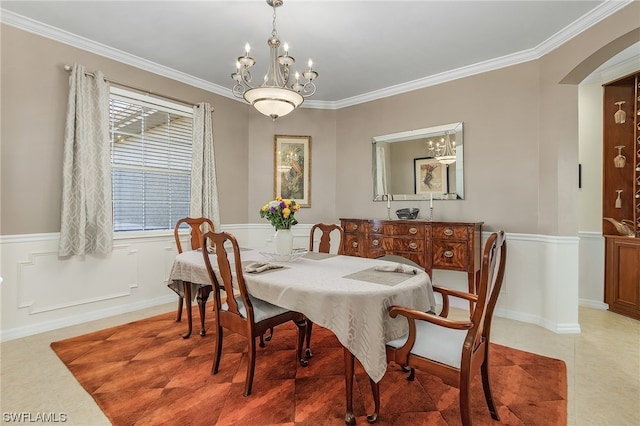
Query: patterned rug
{"x": 144, "y": 373}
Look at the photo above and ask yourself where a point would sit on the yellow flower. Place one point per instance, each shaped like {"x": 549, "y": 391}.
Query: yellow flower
{"x": 278, "y": 198}
{"x": 287, "y": 202}
{"x": 286, "y": 212}
{"x": 296, "y": 207}
{"x": 265, "y": 207}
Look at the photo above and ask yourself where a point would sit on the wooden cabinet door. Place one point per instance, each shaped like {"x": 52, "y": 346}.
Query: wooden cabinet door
{"x": 622, "y": 276}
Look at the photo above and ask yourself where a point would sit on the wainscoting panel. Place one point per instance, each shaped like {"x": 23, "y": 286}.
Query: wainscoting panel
{"x": 47, "y": 283}
{"x": 40, "y": 292}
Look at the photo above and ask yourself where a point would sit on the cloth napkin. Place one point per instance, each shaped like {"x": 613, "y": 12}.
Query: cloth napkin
{"x": 404, "y": 269}
{"x": 260, "y": 267}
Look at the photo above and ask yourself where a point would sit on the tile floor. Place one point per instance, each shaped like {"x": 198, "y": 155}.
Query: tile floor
{"x": 603, "y": 368}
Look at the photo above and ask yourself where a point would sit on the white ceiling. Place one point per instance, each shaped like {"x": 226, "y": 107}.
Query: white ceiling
{"x": 362, "y": 50}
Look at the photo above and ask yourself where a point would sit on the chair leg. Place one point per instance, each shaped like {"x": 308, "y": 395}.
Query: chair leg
{"x": 203, "y": 295}
{"x": 307, "y": 352}
{"x": 270, "y": 336}
{"x": 180, "y": 305}
{"x": 412, "y": 372}
{"x": 267, "y": 338}
{"x": 302, "y": 332}
{"x": 375, "y": 391}
{"x": 465, "y": 400}
{"x": 251, "y": 365}
{"x": 217, "y": 351}
{"x": 486, "y": 387}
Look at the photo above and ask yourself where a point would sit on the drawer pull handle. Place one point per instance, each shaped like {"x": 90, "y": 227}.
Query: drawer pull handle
{"x": 354, "y": 227}
{"x": 448, "y": 232}
{"x": 376, "y": 243}
{"x": 448, "y": 254}
{"x": 354, "y": 244}
{"x": 413, "y": 245}
{"x": 413, "y": 231}
{"x": 375, "y": 229}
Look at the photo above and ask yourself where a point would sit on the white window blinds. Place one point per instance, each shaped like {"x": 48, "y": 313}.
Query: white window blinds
{"x": 151, "y": 161}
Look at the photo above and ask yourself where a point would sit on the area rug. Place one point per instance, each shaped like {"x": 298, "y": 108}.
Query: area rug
{"x": 144, "y": 373}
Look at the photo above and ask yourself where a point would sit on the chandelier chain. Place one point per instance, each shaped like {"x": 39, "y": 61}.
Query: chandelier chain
{"x": 274, "y": 31}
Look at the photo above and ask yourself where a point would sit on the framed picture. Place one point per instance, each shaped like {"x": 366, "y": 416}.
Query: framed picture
{"x": 430, "y": 176}
{"x": 292, "y": 171}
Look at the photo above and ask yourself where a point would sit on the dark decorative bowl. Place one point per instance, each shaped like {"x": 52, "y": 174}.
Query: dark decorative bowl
{"x": 410, "y": 213}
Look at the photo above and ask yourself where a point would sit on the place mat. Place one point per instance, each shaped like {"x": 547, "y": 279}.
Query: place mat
{"x": 312, "y": 255}
{"x": 379, "y": 277}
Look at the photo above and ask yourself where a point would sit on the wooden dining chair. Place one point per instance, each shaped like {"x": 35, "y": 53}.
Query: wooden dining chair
{"x": 242, "y": 313}
{"x": 454, "y": 350}
{"x": 324, "y": 246}
{"x": 197, "y": 226}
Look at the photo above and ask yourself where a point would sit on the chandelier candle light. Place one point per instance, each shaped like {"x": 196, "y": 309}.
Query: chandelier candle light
{"x": 276, "y": 97}
{"x": 445, "y": 150}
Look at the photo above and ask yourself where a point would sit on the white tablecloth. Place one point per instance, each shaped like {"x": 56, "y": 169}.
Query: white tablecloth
{"x": 355, "y": 310}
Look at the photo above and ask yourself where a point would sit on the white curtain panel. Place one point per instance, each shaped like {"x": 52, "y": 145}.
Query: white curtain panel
{"x": 87, "y": 222}
{"x": 204, "y": 187}
{"x": 381, "y": 172}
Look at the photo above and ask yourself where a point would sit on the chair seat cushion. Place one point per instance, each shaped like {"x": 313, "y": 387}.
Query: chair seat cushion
{"x": 436, "y": 343}
{"x": 261, "y": 310}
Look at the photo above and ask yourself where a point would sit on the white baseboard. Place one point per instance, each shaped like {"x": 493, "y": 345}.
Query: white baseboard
{"x": 67, "y": 321}
{"x": 594, "y": 304}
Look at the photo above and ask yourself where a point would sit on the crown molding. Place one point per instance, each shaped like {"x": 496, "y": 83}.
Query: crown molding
{"x": 594, "y": 16}
{"x": 65, "y": 37}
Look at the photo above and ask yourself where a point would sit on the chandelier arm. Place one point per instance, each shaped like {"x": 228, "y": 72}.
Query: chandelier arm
{"x": 308, "y": 89}
{"x": 238, "y": 90}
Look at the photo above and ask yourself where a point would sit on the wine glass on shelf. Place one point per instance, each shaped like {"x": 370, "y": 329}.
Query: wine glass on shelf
{"x": 618, "y": 203}
{"x": 620, "y": 116}
{"x": 619, "y": 160}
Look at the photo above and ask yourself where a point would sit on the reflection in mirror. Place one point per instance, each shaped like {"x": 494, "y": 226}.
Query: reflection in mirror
{"x": 419, "y": 164}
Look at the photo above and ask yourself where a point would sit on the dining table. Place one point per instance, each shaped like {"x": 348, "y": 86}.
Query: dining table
{"x": 348, "y": 295}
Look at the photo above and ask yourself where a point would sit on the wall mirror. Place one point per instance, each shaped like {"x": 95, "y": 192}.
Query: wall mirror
{"x": 419, "y": 164}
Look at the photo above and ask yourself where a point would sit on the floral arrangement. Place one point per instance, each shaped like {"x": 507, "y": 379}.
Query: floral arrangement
{"x": 280, "y": 212}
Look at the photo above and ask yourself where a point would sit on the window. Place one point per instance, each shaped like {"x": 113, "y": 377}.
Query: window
{"x": 150, "y": 161}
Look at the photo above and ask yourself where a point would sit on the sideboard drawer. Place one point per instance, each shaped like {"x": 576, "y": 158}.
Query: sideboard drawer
{"x": 354, "y": 245}
{"x": 397, "y": 229}
{"x": 450, "y": 255}
{"x": 353, "y": 226}
{"x": 406, "y": 244}
{"x": 451, "y": 232}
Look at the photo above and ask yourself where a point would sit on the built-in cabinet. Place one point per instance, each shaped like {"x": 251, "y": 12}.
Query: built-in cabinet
{"x": 621, "y": 194}
{"x": 454, "y": 246}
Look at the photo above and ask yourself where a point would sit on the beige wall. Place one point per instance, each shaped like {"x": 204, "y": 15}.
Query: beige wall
{"x": 34, "y": 98}
{"x": 320, "y": 125}
{"x": 499, "y": 111}
{"x": 521, "y": 138}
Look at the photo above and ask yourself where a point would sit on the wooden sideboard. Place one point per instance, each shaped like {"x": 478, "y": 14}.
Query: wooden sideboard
{"x": 454, "y": 246}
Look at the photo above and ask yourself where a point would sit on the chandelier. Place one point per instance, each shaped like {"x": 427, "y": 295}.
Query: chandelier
{"x": 276, "y": 97}
{"x": 445, "y": 150}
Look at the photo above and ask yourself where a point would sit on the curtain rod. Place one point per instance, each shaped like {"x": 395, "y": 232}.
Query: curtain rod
{"x": 68, "y": 68}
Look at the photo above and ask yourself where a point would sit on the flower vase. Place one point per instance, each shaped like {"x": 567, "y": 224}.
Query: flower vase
{"x": 283, "y": 242}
